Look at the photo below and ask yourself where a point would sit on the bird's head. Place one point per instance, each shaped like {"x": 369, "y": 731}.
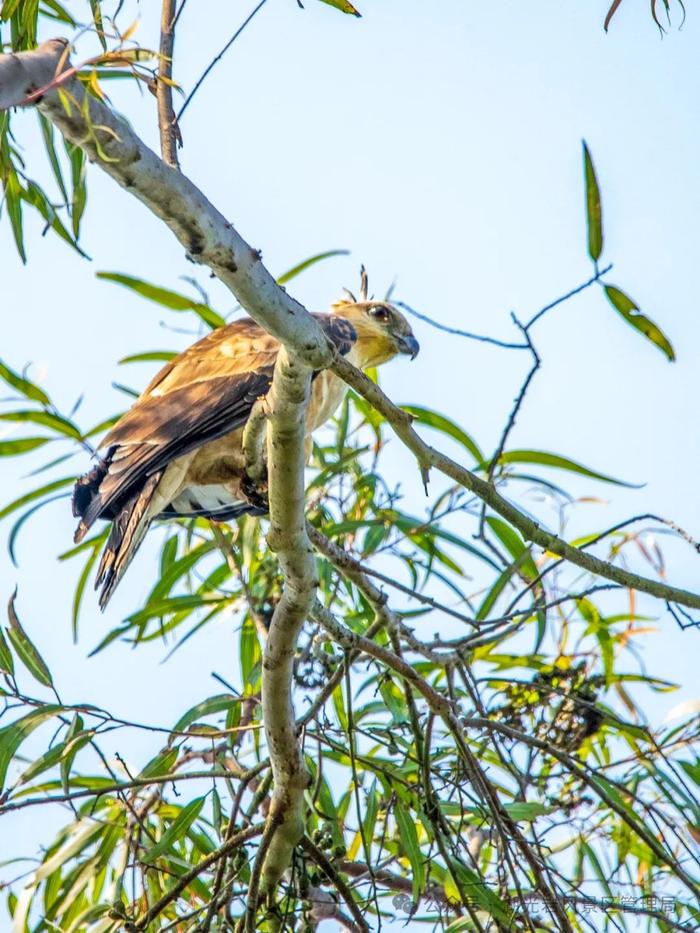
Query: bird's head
{"x": 382, "y": 330}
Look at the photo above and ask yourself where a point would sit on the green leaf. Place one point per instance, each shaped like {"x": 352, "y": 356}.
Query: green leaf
{"x": 560, "y": 463}
{"x": 601, "y": 874}
{"x": 38, "y": 199}
{"x": 55, "y": 755}
{"x": 409, "y": 843}
{"x": 343, "y": 6}
{"x": 22, "y": 445}
{"x": 251, "y": 653}
{"x": 215, "y": 704}
{"x": 527, "y": 811}
{"x": 176, "y": 831}
{"x": 13, "y": 203}
{"x": 7, "y": 665}
{"x": 174, "y": 570}
{"x": 79, "y": 195}
{"x": 478, "y": 890}
{"x": 24, "y": 648}
{"x": 97, "y": 20}
{"x": 155, "y": 356}
{"x": 46, "y": 419}
{"x": 47, "y": 133}
{"x": 80, "y": 590}
{"x": 12, "y": 736}
{"x": 594, "y": 214}
{"x": 515, "y": 546}
{"x": 75, "y": 740}
{"x": 165, "y": 297}
{"x": 434, "y": 420}
{"x": 311, "y": 261}
{"x": 161, "y": 764}
{"x": 27, "y": 388}
{"x": 494, "y": 592}
{"x": 19, "y": 524}
{"x": 631, "y": 313}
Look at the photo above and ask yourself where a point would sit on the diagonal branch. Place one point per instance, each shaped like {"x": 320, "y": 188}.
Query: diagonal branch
{"x": 207, "y": 236}
{"x": 428, "y": 457}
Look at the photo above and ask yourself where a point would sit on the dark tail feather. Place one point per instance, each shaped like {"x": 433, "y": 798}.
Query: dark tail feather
{"x": 128, "y": 530}
{"x": 224, "y": 514}
{"x": 86, "y": 502}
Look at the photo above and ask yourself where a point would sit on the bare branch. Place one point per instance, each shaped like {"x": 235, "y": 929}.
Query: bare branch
{"x": 341, "y": 887}
{"x": 217, "y": 58}
{"x": 167, "y": 121}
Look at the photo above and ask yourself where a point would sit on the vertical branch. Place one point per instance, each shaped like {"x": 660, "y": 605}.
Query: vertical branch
{"x": 167, "y": 121}
{"x": 287, "y": 537}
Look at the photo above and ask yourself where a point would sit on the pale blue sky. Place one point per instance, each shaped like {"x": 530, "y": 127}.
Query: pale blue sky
{"x": 440, "y": 143}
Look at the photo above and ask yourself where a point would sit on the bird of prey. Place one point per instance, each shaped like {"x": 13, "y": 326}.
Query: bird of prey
{"x": 178, "y": 450}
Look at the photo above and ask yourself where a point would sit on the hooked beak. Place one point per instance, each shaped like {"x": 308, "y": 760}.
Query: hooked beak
{"x": 408, "y": 345}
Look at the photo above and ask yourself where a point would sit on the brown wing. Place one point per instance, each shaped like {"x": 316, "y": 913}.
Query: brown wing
{"x": 201, "y": 395}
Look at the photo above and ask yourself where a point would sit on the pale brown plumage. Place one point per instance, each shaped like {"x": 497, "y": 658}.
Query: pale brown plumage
{"x": 178, "y": 451}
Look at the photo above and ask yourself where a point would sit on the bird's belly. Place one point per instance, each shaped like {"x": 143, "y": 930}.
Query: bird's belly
{"x": 327, "y": 392}
{"x": 219, "y": 461}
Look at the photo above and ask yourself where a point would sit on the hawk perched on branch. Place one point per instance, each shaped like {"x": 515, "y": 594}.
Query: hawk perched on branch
{"x": 179, "y": 450}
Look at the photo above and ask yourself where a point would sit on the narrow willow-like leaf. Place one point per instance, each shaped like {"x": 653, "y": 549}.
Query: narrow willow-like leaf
{"x": 215, "y": 704}
{"x": 560, "y": 463}
{"x": 161, "y": 764}
{"x": 12, "y": 736}
{"x": 176, "y": 831}
{"x": 22, "y": 445}
{"x": 165, "y": 297}
{"x": 594, "y": 214}
{"x": 155, "y": 356}
{"x": 7, "y": 665}
{"x": 307, "y": 263}
{"x": 26, "y": 652}
{"x": 23, "y": 385}
{"x": 343, "y": 6}
{"x": 45, "y": 418}
{"x": 13, "y": 204}
{"x": 631, "y": 313}
{"x": 250, "y": 653}
{"x": 433, "y": 419}
{"x": 514, "y": 544}
{"x": 409, "y": 843}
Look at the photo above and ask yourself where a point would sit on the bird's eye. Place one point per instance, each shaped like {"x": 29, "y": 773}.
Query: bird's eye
{"x": 379, "y": 313}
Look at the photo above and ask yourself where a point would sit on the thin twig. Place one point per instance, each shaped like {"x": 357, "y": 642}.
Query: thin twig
{"x": 574, "y": 291}
{"x": 243, "y": 836}
{"x": 458, "y": 332}
{"x": 218, "y": 58}
{"x": 520, "y": 398}
{"x": 341, "y": 887}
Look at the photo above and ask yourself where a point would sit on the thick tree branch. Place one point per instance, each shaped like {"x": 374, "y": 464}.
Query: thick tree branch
{"x": 207, "y": 236}
{"x": 287, "y": 400}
